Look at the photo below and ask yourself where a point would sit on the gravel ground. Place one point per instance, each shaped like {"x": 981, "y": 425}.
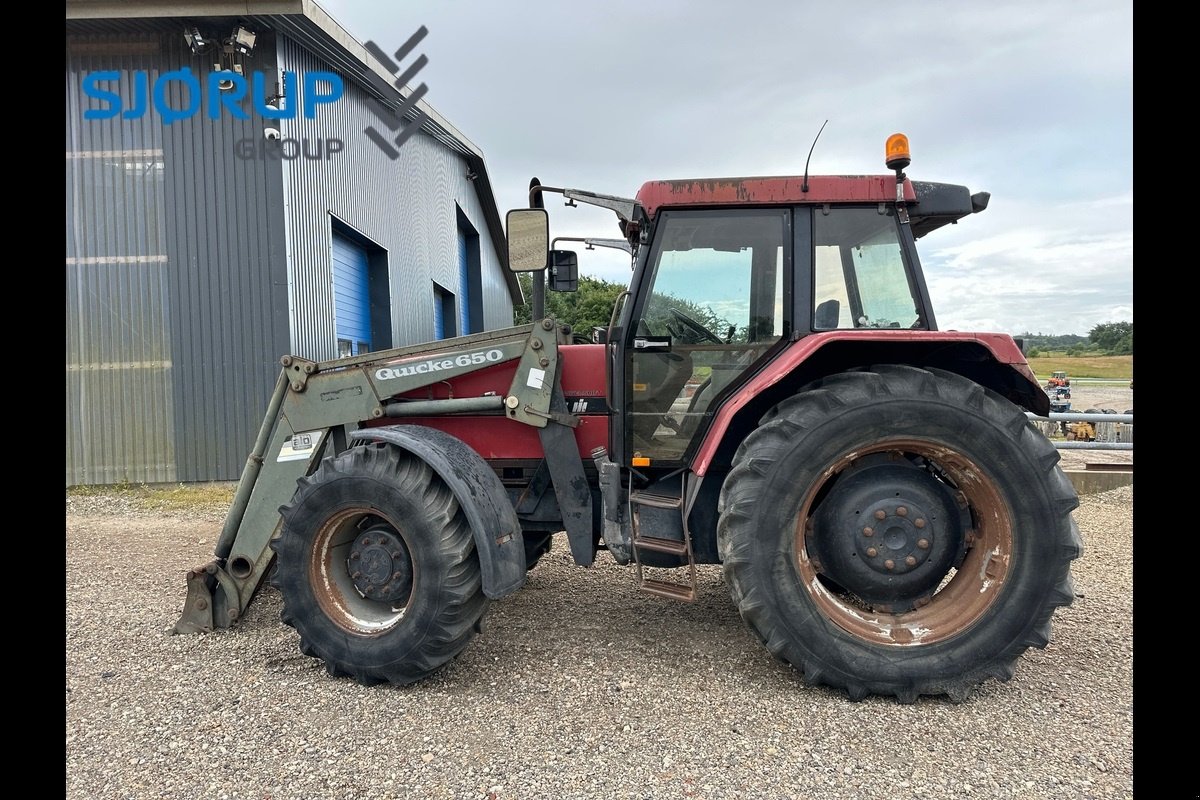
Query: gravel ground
{"x": 579, "y": 687}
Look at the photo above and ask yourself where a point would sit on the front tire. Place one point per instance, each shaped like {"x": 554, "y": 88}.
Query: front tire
{"x": 377, "y": 567}
{"x": 898, "y": 531}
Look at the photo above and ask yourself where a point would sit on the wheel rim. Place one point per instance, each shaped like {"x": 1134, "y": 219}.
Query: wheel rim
{"x": 361, "y": 571}
{"x": 971, "y": 539}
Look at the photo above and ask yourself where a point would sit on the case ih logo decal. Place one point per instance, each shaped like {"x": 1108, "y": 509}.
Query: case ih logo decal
{"x": 588, "y": 405}
{"x": 437, "y": 364}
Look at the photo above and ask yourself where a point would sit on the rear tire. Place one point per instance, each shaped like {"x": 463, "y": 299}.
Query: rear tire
{"x": 898, "y": 532}
{"x": 377, "y": 567}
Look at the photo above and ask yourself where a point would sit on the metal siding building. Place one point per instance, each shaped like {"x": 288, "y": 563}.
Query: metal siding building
{"x": 190, "y": 270}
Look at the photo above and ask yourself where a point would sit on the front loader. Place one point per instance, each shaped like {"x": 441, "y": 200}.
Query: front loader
{"x": 772, "y": 394}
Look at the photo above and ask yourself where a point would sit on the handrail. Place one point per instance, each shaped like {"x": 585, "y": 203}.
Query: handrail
{"x": 1072, "y": 416}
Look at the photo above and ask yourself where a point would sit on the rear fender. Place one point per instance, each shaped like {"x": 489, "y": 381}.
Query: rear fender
{"x": 482, "y": 496}
{"x": 990, "y": 359}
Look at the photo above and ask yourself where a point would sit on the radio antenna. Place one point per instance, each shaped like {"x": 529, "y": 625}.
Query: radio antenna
{"x": 804, "y": 185}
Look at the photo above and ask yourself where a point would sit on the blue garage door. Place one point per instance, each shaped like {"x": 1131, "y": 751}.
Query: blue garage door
{"x": 464, "y": 284}
{"x": 443, "y": 313}
{"x": 351, "y": 298}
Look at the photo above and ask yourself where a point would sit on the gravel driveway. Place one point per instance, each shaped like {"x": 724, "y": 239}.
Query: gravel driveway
{"x": 579, "y": 687}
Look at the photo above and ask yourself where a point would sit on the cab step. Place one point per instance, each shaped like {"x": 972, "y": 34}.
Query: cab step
{"x": 671, "y": 591}
{"x": 684, "y": 591}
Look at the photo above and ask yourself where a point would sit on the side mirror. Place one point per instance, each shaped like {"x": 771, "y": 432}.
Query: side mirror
{"x": 564, "y": 271}
{"x": 528, "y": 239}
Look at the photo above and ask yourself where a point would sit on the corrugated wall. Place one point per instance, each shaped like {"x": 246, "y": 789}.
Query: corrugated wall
{"x": 176, "y": 302}
{"x": 225, "y": 240}
{"x": 120, "y": 414}
{"x": 180, "y": 293}
{"x": 406, "y": 206}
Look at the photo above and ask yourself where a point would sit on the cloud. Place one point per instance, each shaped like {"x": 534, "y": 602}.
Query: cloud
{"x": 1030, "y": 101}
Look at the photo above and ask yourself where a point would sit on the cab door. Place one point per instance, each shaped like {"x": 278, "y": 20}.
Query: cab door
{"x": 713, "y": 301}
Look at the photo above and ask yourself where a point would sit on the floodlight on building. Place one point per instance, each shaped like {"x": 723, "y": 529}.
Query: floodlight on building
{"x": 196, "y": 41}
{"x": 242, "y": 40}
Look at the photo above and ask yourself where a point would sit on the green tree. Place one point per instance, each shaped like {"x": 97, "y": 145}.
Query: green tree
{"x": 583, "y": 310}
{"x": 1114, "y": 338}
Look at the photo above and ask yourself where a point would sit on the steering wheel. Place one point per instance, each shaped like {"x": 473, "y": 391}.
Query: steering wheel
{"x": 695, "y": 327}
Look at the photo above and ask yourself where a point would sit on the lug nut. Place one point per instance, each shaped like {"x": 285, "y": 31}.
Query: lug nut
{"x": 872, "y": 552}
{"x": 919, "y": 522}
{"x": 356, "y": 555}
{"x": 911, "y": 561}
{"x": 923, "y": 544}
{"x": 868, "y": 531}
{"x": 889, "y": 564}
{"x": 356, "y": 575}
{"x": 902, "y": 511}
{"x": 397, "y": 576}
{"x": 880, "y": 514}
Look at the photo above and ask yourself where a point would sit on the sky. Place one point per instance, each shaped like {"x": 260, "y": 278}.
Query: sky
{"x": 1030, "y": 101}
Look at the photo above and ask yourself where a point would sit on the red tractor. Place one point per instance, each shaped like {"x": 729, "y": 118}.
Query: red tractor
{"x": 1059, "y": 380}
{"x": 772, "y": 394}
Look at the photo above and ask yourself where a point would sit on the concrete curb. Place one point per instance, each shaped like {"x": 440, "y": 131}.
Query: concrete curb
{"x": 1091, "y": 481}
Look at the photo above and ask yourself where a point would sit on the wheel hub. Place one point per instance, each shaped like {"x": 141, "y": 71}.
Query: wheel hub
{"x": 888, "y": 531}
{"x": 380, "y": 566}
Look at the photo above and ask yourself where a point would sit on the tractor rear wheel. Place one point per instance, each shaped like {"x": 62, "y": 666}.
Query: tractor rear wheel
{"x": 898, "y": 531}
{"x": 377, "y": 567}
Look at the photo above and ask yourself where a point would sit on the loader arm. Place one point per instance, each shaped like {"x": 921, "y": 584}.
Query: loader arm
{"x": 311, "y": 414}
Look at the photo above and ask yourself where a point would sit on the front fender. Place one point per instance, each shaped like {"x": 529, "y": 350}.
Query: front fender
{"x": 491, "y": 515}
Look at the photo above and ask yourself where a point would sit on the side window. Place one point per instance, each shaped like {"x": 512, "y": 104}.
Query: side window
{"x": 860, "y": 277}
{"x": 715, "y": 305}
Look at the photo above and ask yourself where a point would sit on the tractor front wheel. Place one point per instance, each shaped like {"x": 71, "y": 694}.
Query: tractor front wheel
{"x": 377, "y": 567}
{"x": 898, "y": 531}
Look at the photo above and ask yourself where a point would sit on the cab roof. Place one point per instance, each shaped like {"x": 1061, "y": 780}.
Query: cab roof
{"x": 932, "y": 205}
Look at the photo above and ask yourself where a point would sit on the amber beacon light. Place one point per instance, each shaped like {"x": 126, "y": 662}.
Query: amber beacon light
{"x": 896, "y": 151}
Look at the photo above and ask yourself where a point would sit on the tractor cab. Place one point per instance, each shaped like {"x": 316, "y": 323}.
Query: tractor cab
{"x": 728, "y": 272}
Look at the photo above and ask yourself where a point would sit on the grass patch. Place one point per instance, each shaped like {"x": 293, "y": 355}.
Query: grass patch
{"x": 1114, "y": 367}
{"x": 165, "y": 496}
